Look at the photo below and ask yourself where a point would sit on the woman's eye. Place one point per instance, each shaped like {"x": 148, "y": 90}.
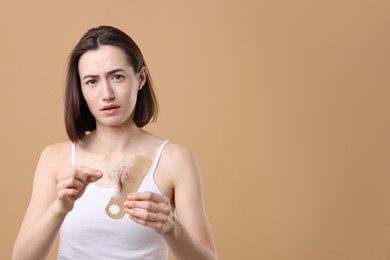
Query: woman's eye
{"x": 90, "y": 82}
{"x": 118, "y": 77}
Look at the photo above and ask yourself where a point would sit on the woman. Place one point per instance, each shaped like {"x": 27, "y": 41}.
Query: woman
{"x": 109, "y": 98}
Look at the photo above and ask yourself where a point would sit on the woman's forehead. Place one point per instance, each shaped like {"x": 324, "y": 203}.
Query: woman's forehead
{"x": 104, "y": 59}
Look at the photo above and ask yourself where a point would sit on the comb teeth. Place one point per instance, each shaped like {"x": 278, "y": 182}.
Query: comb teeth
{"x": 131, "y": 176}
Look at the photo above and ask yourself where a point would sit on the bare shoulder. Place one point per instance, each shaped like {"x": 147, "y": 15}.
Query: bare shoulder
{"x": 179, "y": 162}
{"x": 58, "y": 147}
{"x": 55, "y": 155}
{"x": 178, "y": 154}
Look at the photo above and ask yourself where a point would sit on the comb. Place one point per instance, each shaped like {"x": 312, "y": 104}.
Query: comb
{"x": 129, "y": 177}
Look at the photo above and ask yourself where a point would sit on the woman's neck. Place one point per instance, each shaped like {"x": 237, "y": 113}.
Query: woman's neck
{"x": 116, "y": 139}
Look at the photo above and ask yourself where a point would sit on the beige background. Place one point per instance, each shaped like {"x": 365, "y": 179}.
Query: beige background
{"x": 285, "y": 103}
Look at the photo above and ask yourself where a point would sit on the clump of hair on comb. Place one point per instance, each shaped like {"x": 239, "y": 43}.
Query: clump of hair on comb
{"x": 118, "y": 175}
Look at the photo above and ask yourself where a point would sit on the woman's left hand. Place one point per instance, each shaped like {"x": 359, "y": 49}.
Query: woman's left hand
{"x": 151, "y": 210}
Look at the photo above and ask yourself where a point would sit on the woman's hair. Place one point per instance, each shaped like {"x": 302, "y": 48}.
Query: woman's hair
{"x": 78, "y": 118}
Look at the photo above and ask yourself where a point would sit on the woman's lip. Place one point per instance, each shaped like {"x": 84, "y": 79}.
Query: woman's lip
{"x": 109, "y": 108}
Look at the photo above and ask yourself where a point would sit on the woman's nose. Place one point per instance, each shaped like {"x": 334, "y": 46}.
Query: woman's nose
{"x": 107, "y": 93}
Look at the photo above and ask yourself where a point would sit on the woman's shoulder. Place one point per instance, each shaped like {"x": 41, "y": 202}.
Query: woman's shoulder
{"x": 57, "y": 152}
{"x": 172, "y": 151}
{"x": 178, "y": 155}
{"x": 59, "y": 147}
{"x": 177, "y": 151}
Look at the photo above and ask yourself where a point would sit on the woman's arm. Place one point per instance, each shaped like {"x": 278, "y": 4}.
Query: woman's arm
{"x": 188, "y": 236}
{"x": 53, "y": 196}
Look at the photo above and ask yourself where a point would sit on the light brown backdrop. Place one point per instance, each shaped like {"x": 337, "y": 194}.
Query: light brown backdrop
{"x": 285, "y": 104}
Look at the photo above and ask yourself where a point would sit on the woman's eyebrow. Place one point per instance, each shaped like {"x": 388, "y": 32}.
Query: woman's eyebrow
{"x": 115, "y": 71}
{"x": 89, "y": 76}
{"x": 108, "y": 73}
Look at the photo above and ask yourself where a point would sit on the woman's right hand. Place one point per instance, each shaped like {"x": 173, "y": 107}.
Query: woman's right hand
{"x": 71, "y": 184}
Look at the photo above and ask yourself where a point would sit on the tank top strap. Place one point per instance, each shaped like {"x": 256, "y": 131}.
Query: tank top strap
{"x": 157, "y": 158}
{"x": 73, "y": 154}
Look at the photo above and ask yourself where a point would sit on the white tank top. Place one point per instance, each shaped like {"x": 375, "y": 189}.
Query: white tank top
{"x": 87, "y": 233}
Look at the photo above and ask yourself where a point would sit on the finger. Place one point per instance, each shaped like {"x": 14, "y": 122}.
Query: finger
{"x": 159, "y": 226}
{"x": 90, "y": 173}
{"x": 83, "y": 174}
{"x": 146, "y": 216}
{"x": 86, "y": 178}
{"x": 64, "y": 193}
{"x": 70, "y": 183}
{"x": 148, "y": 196}
{"x": 94, "y": 178}
{"x": 148, "y": 206}
{"x": 73, "y": 172}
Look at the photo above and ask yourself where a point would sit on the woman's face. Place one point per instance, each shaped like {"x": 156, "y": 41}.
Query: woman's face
{"x": 109, "y": 85}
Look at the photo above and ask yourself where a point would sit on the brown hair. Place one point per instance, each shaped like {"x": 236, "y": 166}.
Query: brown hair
{"x": 78, "y": 118}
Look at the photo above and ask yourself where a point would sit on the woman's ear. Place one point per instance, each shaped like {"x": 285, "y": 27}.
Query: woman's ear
{"x": 141, "y": 78}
